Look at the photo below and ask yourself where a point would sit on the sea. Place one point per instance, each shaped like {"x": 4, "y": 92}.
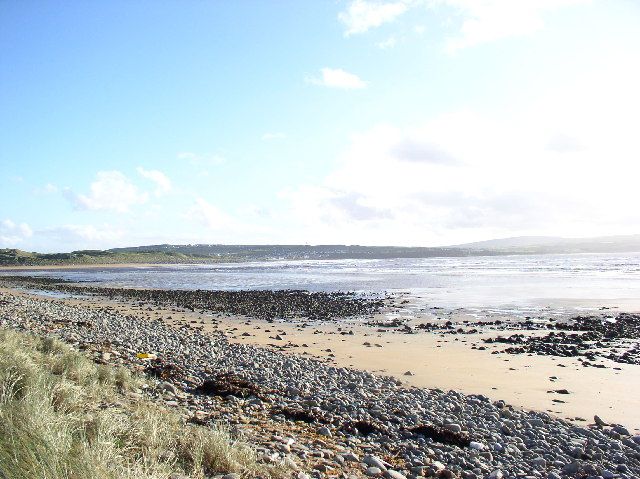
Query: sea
{"x": 522, "y": 285}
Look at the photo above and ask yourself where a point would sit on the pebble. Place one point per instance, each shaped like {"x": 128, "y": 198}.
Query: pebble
{"x": 539, "y": 462}
{"x": 599, "y": 421}
{"x": 374, "y": 462}
{"x": 166, "y": 386}
{"x": 391, "y": 474}
{"x": 350, "y": 457}
{"x": 621, "y": 430}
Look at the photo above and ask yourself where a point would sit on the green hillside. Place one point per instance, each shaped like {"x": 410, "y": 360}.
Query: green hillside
{"x": 16, "y": 257}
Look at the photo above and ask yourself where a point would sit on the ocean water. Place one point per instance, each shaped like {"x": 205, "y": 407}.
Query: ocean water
{"x": 505, "y": 283}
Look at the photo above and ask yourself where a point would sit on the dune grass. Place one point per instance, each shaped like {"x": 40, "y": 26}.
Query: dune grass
{"x": 63, "y": 416}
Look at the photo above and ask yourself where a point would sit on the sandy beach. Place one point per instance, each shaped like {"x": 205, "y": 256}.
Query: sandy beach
{"x": 341, "y": 396}
{"x": 447, "y": 362}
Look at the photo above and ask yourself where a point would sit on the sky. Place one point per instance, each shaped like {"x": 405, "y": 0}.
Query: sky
{"x": 388, "y": 122}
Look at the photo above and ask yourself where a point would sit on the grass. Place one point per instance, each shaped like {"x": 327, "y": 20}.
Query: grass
{"x": 16, "y": 257}
{"x": 63, "y": 416}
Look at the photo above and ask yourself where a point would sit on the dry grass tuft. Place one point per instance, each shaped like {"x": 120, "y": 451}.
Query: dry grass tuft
{"x": 64, "y": 417}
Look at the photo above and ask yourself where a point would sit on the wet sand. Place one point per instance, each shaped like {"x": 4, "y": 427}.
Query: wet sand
{"x": 434, "y": 360}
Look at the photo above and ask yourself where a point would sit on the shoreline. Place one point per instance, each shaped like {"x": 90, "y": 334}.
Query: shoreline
{"x": 92, "y": 266}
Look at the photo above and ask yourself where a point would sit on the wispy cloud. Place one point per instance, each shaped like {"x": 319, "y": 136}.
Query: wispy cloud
{"x": 73, "y": 237}
{"x": 362, "y": 15}
{"x": 389, "y": 43}
{"x": 338, "y": 78}
{"x": 90, "y": 233}
{"x": 111, "y": 191}
{"x": 11, "y": 233}
{"x": 476, "y": 21}
{"x": 484, "y": 21}
{"x": 209, "y": 215}
{"x": 417, "y": 150}
{"x": 47, "y": 189}
{"x": 162, "y": 181}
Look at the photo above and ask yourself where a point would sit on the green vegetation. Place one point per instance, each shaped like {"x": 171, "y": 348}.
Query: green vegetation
{"x": 64, "y": 417}
{"x": 206, "y": 254}
{"x": 16, "y": 257}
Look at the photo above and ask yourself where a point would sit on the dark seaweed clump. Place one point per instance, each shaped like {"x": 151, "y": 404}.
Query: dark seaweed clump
{"x": 587, "y": 338}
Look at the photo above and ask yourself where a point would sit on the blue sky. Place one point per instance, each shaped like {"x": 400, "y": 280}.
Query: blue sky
{"x": 409, "y": 122}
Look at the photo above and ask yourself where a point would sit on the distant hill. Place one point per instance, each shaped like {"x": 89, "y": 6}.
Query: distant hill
{"x": 273, "y": 252}
{"x": 551, "y": 244}
{"x": 201, "y": 253}
{"x": 215, "y": 253}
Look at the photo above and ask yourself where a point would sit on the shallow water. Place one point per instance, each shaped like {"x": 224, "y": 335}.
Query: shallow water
{"x": 53, "y": 294}
{"x": 494, "y": 284}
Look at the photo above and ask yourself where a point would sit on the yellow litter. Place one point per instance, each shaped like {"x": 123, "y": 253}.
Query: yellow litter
{"x": 146, "y": 356}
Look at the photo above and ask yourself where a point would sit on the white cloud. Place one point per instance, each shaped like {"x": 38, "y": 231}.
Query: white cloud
{"x": 467, "y": 175}
{"x": 484, "y": 21}
{"x": 387, "y": 44}
{"x": 478, "y": 21}
{"x": 210, "y": 216}
{"x": 221, "y": 226}
{"x": 92, "y": 235}
{"x": 362, "y": 15}
{"x": 111, "y": 191}
{"x": 338, "y": 78}
{"x": 50, "y": 188}
{"x": 47, "y": 189}
{"x": 563, "y": 143}
{"x": 12, "y": 234}
{"x": 162, "y": 181}
{"x": 73, "y": 237}
{"x": 274, "y": 136}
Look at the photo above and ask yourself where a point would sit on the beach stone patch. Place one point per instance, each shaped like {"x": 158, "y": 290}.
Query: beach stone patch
{"x": 415, "y": 427}
{"x": 587, "y": 338}
{"x": 263, "y": 304}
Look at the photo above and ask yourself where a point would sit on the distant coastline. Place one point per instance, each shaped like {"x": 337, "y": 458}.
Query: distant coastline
{"x": 218, "y": 253}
